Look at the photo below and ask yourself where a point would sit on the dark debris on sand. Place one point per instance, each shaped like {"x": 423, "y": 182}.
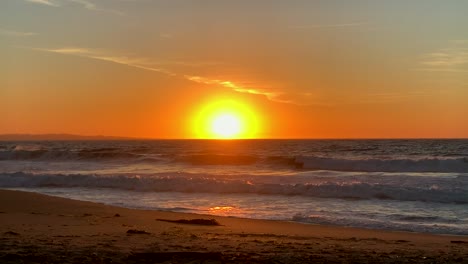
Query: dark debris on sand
{"x": 205, "y": 222}
{"x": 113, "y": 257}
{"x": 14, "y": 250}
{"x": 137, "y": 232}
{"x": 11, "y": 233}
{"x": 458, "y": 242}
{"x": 174, "y": 257}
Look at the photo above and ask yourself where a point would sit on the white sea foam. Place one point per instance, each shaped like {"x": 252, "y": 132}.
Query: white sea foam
{"x": 411, "y": 216}
{"x": 395, "y": 187}
{"x": 385, "y": 165}
{"x": 366, "y": 164}
{"x": 413, "y": 185}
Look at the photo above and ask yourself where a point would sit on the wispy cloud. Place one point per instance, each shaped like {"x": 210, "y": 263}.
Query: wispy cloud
{"x": 234, "y": 86}
{"x": 12, "y": 33}
{"x": 447, "y": 58}
{"x": 325, "y": 26}
{"x": 166, "y": 35}
{"x": 91, "y": 6}
{"x": 87, "y": 4}
{"x": 140, "y": 63}
{"x": 452, "y": 59}
{"x": 43, "y": 2}
{"x": 440, "y": 69}
{"x": 150, "y": 65}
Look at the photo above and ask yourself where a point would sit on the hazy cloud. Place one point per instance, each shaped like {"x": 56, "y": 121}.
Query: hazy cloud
{"x": 87, "y": 4}
{"x": 440, "y": 69}
{"x": 12, "y": 33}
{"x": 91, "y": 6}
{"x": 43, "y": 2}
{"x": 447, "y": 58}
{"x": 149, "y": 65}
{"x": 236, "y": 87}
{"x": 166, "y": 35}
{"x": 72, "y": 51}
{"x": 341, "y": 25}
{"x": 452, "y": 59}
{"x": 140, "y": 63}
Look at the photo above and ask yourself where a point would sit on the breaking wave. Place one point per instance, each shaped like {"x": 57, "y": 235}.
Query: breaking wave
{"x": 433, "y": 164}
{"x": 425, "y": 189}
{"x": 385, "y": 165}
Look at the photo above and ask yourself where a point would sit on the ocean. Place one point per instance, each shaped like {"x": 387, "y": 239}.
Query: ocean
{"x": 400, "y": 185}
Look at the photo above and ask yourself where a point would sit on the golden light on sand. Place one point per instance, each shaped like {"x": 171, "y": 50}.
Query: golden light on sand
{"x": 226, "y": 119}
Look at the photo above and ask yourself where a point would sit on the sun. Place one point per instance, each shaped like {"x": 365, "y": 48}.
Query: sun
{"x": 226, "y": 125}
{"x": 225, "y": 119}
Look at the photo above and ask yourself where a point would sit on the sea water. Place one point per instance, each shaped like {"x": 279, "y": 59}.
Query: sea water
{"x": 404, "y": 185}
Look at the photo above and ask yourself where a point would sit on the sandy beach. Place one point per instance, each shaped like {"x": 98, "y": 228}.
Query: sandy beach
{"x": 42, "y": 229}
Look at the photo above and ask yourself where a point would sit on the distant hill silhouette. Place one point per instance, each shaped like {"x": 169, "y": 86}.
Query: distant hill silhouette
{"x": 33, "y": 137}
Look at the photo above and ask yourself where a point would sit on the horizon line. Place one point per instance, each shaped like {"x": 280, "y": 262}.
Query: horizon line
{"x": 78, "y": 137}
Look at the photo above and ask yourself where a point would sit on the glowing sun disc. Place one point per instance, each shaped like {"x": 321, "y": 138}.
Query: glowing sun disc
{"x": 225, "y": 119}
{"x": 226, "y": 125}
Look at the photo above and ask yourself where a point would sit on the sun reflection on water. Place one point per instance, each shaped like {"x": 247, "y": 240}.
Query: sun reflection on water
{"x": 224, "y": 210}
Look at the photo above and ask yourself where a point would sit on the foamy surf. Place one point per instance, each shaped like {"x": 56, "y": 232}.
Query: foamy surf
{"x": 446, "y": 189}
{"x": 408, "y": 185}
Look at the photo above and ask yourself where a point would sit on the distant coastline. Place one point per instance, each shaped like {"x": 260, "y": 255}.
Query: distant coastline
{"x": 37, "y": 137}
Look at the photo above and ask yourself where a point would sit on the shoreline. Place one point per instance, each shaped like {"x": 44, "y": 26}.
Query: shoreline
{"x": 462, "y": 232}
{"x": 42, "y": 228}
{"x": 239, "y": 217}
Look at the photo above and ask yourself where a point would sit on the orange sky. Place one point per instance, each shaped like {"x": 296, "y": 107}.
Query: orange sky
{"x": 305, "y": 69}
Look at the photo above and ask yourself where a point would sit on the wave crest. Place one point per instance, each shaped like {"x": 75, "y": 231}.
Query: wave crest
{"x": 385, "y": 165}
{"x": 142, "y": 155}
{"x": 166, "y": 182}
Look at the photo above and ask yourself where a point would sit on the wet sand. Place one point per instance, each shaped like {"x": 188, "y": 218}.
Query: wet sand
{"x": 36, "y": 228}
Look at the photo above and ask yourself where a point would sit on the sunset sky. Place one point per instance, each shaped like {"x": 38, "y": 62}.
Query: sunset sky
{"x": 291, "y": 69}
